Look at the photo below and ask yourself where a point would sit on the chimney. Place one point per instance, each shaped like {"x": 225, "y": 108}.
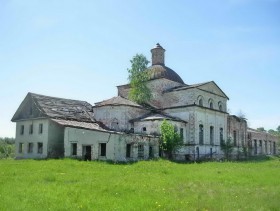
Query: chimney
{"x": 158, "y": 55}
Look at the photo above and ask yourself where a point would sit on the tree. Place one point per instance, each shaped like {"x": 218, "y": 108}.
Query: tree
{"x": 227, "y": 148}
{"x": 278, "y": 129}
{"x": 261, "y": 129}
{"x": 138, "y": 77}
{"x": 170, "y": 140}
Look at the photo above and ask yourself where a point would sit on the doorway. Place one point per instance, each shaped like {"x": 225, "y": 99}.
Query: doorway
{"x": 87, "y": 152}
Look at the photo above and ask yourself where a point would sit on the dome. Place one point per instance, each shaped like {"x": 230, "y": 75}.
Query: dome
{"x": 161, "y": 71}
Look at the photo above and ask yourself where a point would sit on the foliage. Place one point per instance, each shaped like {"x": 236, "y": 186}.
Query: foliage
{"x": 170, "y": 139}
{"x": 7, "y": 148}
{"x": 138, "y": 77}
{"x": 146, "y": 185}
{"x": 261, "y": 129}
{"x": 227, "y": 147}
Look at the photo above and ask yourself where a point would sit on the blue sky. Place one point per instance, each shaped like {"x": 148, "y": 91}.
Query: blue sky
{"x": 81, "y": 49}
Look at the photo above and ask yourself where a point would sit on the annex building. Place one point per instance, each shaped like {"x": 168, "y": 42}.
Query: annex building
{"x": 121, "y": 130}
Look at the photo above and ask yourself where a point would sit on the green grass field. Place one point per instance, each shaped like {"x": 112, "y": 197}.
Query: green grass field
{"x": 146, "y": 185}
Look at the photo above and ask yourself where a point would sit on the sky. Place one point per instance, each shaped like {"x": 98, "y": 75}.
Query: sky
{"x": 81, "y": 49}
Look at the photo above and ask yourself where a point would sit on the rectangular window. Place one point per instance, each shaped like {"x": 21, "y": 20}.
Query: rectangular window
{"x": 140, "y": 151}
{"x": 30, "y": 147}
{"x": 128, "y": 150}
{"x": 221, "y": 136}
{"x": 151, "y": 154}
{"x": 103, "y": 149}
{"x": 40, "y": 148}
{"x": 182, "y": 133}
{"x": 31, "y": 129}
{"x": 40, "y": 128}
{"x": 212, "y": 135}
{"x": 21, "y": 129}
{"x": 74, "y": 148}
{"x": 201, "y": 134}
{"x": 20, "y": 147}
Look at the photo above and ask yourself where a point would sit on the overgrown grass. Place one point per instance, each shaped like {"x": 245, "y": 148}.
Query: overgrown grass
{"x": 146, "y": 185}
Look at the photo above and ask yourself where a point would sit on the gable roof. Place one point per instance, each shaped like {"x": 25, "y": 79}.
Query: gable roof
{"x": 54, "y": 107}
{"x": 199, "y": 86}
{"x": 117, "y": 101}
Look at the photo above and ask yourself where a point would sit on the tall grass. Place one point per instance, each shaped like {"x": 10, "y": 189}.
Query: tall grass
{"x": 146, "y": 185}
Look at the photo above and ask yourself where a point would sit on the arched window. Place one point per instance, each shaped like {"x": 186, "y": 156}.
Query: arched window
{"x": 220, "y": 106}
{"x": 200, "y": 100}
{"x": 210, "y": 103}
{"x": 200, "y": 134}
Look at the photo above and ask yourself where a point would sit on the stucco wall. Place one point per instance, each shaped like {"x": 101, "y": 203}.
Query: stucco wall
{"x": 115, "y": 144}
{"x": 32, "y": 138}
{"x": 117, "y": 117}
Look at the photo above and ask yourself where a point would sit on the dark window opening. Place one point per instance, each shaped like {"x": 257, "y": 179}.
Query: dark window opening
{"x": 31, "y": 129}
{"x": 200, "y": 102}
{"x": 30, "y": 147}
{"x": 21, "y": 129}
{"x": 74, "y": 148}
{"x": 40, "y": 128}
{"x": 234, "y": 138}
{"x": 128, "y": 150}
{"x": 20, "y": 148}
{"x": 144, "y": 129}
{"x": 151, "y": 155}
{"x": 182, "y": 133}
{"x": 140, "y": 151}
{"x": 103, "y": 149}
{"x": 201, "y": 134}
{"x": 221, "y": 135}
{"x": 212, "y": 135}
{"x": 40, "y": 148}
{"x": 211, "y": 105}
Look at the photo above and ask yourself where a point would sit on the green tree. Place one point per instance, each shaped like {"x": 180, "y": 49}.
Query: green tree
{"x": 7, "y": 147}
{"x": 138, "y": 77}
{"x": 227, "y": 147}
{"x": 170, "y": 140}
{"x": 261, "y": 129}
{"x": 278, "y": 129}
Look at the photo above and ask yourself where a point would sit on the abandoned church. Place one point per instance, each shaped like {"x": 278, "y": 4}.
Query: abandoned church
{"x": 121, "y": 130}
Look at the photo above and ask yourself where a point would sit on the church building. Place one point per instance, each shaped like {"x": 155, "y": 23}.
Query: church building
{"x": 121, "y": 130}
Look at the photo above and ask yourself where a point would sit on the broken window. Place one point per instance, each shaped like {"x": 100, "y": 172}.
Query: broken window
{"x": 20, "y": 147}
{"x": 144, "y": 129}
{"x": 200, "y": 102}
{"x": 140, "y": 151}
{"x": 74, "y": 148}
{"x": 40, "y": 148}
{"x": 21, "y": 129}
{"x": 128, "y": 150}
{"x": 201, "y": 134}
{"x": 31, "y": 129}
{"x": 212, "y": 135}
{"x": 210, "y": 103}
{"x": 40, "y": 128}
{"x": 102, "y": 149}
{"x": 30, "y": 147}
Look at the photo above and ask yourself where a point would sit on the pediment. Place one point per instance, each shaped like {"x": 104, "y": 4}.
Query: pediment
{"x": 212, "y": 87}
{"x": 28, "y": 109}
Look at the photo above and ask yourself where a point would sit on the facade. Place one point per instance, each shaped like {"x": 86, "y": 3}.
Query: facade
{"x": 119, "y": 129}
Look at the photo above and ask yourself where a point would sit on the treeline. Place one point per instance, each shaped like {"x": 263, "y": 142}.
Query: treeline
{"x": 7, "y": 148}
{"x": 271, "y": 131}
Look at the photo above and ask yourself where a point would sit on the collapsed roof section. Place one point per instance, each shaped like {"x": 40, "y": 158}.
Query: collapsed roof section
{"x": 41, "y": 106}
